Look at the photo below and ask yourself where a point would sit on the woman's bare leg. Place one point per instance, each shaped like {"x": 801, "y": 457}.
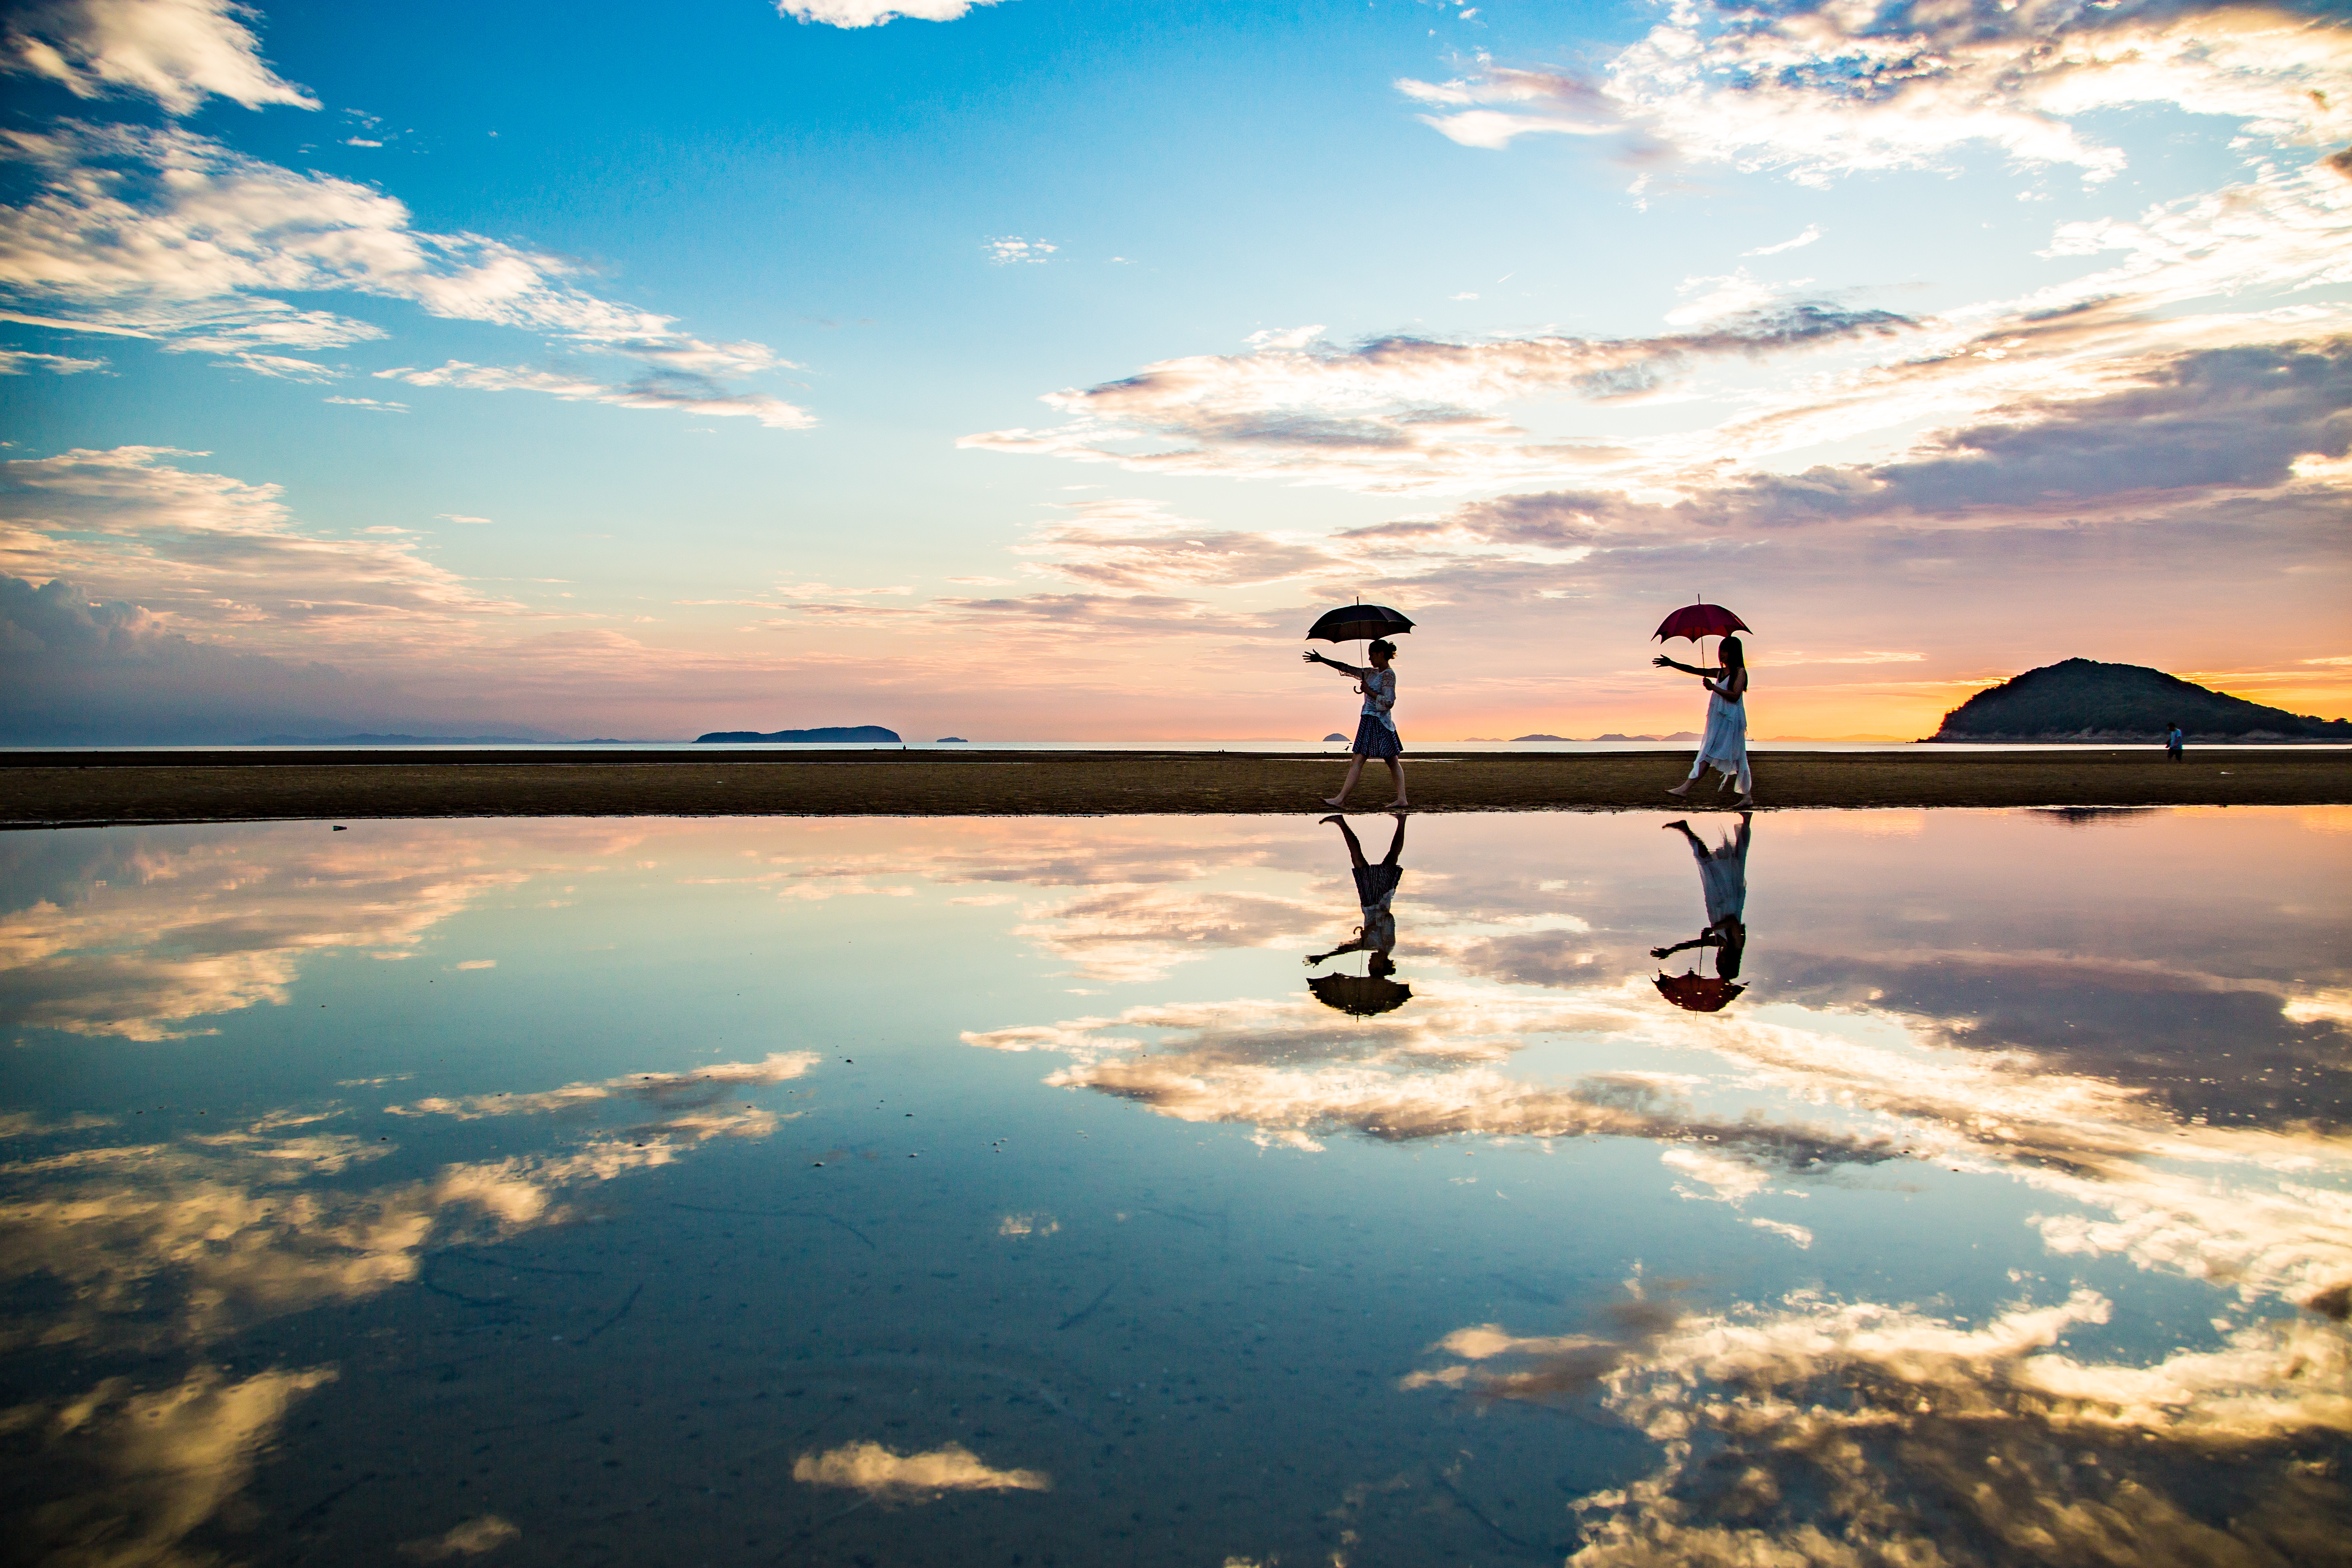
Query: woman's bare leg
{"x": 1746, "y": 785}
{"x": 1355, "y": 845}
{"x": 1698, "y": 765}
{"x": 1396, "y": 772}
{"x": 1355, "y": 771}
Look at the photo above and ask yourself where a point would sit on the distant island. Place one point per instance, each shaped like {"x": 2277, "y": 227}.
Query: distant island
{"x": 834, "y": 735}
{"x": 2083, "y": 700}
{"x": 950, "y": 741}
{"x": 1343, "y": 740}
{"x": 422, "y": 741}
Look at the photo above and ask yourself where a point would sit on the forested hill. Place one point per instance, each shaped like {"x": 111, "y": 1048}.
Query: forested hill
{"x": 2083, "y": 700}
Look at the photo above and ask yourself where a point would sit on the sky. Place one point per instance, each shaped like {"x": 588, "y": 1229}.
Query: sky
{"x": 1039, "y": 369}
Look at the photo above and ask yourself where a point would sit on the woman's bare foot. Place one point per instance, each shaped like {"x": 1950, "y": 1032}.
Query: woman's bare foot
{"x": 1335, "y": 800}
{"x": 1333, "y": 817}
{"x": 1745, "y": 802}
{"x": 1670, "y": 827}
{"x": 1680, "y": 788}
{"x": 1396, "y": 805}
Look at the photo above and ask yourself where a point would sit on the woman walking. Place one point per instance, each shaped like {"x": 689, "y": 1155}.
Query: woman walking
{"x": 1376, "y": 732}
{"x": 1725, "y": 746}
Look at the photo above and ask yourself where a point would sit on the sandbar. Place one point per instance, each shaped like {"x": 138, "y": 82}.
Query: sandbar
{"x": 94, "y": 788}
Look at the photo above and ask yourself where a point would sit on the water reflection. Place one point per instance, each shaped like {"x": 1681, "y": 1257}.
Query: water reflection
{"x": 1371, "y": 992}
{"x": 1723, "y": 885}
{"x": 2004, "y": 1219}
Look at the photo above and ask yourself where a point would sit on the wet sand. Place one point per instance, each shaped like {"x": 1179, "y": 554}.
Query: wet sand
{"x": 39, "y": 790}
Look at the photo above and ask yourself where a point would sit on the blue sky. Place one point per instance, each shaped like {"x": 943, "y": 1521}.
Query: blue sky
{"x": 733, "y": 327}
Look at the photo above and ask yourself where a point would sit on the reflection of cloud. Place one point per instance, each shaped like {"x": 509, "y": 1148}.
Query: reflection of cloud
{"x": 471, "y": 1539}
{"x": 1126, "y": 934}
{"x": 871, "y": 1468}
{"x": 171, "y": 1458}
{"x": 188, "y": 1241}
{"x": 2217, "y": 1204}
{"x": 679, "y": 1100}
{"x": 1855, "y": 1432}
{"x": 164, "y": 930}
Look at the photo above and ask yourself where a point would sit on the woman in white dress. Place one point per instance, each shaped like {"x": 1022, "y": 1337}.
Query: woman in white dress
{"x": 1376, "y": 730}
{"x": 1725, "y": 746}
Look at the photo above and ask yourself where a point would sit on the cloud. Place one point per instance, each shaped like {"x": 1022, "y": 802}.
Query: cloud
{"x": 871, "y": 1468}
{"x": 1012, "y": 249}
{"x": 206, "y": 551}
{"x": 682, "y": 392}
{"x": 1398, "y": 413}
{"x": 1544, "y": 103}
{"x": 18, "y": 361}
{"x": 373, "y": 404}
{"x": 1814, "y": 89}
{"x": 177, "y": 52}
{"x": 174, "y": 237}
{"x": 874, "y": 13}
{"x": 1812, "y": 232}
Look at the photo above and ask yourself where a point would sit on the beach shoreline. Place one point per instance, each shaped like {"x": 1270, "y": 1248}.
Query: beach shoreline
{"x": 98, "y": 788}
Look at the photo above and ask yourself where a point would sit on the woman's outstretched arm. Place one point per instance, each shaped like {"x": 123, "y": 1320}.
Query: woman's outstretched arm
{"x": 1708, "y": 673}
{"x": 1311, "y": 656}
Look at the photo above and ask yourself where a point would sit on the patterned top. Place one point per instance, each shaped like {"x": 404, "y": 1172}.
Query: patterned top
{"x": 1380, "y": 696}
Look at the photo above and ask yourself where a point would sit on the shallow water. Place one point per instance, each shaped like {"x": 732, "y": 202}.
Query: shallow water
{"x": 1009, "y": 1190}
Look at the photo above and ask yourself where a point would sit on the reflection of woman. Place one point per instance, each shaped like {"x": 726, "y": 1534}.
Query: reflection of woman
{"x": 1376, "y": 886}
{"x": 1723, "y": 883}
{"x": 1725, "y": 746}
{"x": 1376, "y": 732}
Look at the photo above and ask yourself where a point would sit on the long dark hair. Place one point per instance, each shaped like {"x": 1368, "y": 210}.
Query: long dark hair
{"x": 1734, "y": 655}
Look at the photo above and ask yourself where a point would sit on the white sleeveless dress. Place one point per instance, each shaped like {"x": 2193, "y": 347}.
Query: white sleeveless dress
{"x": 1725, "y": 746}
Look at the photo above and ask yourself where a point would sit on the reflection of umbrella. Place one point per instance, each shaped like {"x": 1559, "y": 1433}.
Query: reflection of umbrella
{"x": 1696, "y": 621}
{"x": 1350, "y": 621}
{"x": 1362, "y": 994}
{"x": 1698, "y": 993}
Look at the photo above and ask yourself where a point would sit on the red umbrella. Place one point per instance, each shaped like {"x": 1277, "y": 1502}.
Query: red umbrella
{"x": 1696, "y": 621}
{"x": 1698, "y": 993}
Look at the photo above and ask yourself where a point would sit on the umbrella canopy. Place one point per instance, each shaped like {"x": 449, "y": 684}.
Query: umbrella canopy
{"x": 1361, "y": 994}
{"x": 1350, "y": 621}
{"x": 1698, "y": 993}
{"x": 1696, "y": 621}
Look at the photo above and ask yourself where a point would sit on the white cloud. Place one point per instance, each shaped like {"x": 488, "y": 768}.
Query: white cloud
{"x": 19, "y": 362}
{"x": 874, "y": 13}
{"x": 1012, "y": 248}
{"x": 170, "y": 236}
{"x": 1812, "y": 232}
{"x": 177, "y": 52}
{"x": 375, "y": 404}
{"x": 458, "y": 517}
{"x": 679, "y": 391}
{"x": 1817, "y": 88}
{"x": 206, "y": 552}
{"x": 1400, "y": 412}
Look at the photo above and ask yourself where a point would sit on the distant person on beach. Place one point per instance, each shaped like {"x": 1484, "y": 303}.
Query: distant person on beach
{"x": 1723, "y": 885}
{"x": 2174, "y": 741}
{"x": 1376, "y": 732}
{"x": 1725, "y": 746}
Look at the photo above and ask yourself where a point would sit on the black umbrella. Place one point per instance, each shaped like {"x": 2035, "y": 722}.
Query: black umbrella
{"x": 1365, "y": 996}
{"x": 1350, "y": 621}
